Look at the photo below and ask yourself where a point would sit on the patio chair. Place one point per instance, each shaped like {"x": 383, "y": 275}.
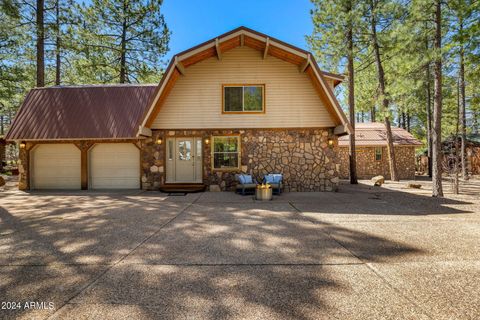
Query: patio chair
{"x": 246, "y": 184}
{"x": 275, "y": 180}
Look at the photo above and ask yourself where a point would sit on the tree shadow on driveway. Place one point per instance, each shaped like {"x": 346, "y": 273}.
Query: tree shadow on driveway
{"x": 141, "y": 256}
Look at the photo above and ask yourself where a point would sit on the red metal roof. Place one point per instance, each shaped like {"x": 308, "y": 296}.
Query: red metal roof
{"x": 374, "y": 134}
{"x": 81, "y": 112}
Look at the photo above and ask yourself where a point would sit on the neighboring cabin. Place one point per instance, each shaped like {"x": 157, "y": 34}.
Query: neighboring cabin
{"x": 242, "y": 102}
{"x": 371, "y": 152}
{"x": 472, "y": 152}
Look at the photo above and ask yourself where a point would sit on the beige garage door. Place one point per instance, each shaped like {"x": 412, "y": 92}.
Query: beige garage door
{"x": 114, "y": 166}
{"x": 55, "y": 166}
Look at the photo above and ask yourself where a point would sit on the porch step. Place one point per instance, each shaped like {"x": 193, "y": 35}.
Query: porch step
{"x": 181, "y": 187}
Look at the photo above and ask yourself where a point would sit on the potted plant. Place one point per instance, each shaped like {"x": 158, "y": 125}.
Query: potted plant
{"x": 263, "y": 192}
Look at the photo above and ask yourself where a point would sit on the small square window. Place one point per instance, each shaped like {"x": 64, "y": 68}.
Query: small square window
{"x": 378, "y": 154}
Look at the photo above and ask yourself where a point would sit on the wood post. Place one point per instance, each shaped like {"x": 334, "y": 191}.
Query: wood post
{"x": 267, "y": 46}
{"x": 217, "y": 49}
{"x": 26, "y": 167}
{"x": 84, "y": 148}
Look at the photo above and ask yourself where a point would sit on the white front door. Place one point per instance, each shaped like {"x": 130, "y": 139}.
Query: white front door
{"x": 184, "y": 160}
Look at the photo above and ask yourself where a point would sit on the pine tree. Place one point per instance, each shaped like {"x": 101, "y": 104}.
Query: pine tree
{"x": 351, "y": 94}
{"x": 40, "y": 42}
{"x": 437, "y": 189}
{"x": 374, "y": 14}
{"x": 125, "y": 38}
{"x": 464, "y": 42}
{"x": 334, "y": 44}
{"x": 14, "y": 76}
{"x": 60, "y": 35}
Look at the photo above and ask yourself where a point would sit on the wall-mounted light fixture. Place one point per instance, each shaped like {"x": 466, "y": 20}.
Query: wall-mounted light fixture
{"x": 207, "y": 141}
{"x": 159, "y": 140}
{"x": 22, "y": 145}
{"x": 330, "y": 142}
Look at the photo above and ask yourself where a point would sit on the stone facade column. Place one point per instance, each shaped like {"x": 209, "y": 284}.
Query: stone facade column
{"x": 24, "y": 166}
{"x": 152, "y": 160}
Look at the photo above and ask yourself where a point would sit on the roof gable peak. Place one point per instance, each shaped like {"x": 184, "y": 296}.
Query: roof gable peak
{"x": 243, "y": 36}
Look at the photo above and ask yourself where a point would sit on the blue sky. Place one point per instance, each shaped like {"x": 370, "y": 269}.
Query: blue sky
{"x": 193, "y": 22}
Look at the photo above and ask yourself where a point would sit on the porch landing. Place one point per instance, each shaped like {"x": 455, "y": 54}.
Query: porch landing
{"x": 183, "y": 187}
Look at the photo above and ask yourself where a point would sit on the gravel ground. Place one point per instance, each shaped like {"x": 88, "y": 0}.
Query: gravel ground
{"x": 360, "y": 253}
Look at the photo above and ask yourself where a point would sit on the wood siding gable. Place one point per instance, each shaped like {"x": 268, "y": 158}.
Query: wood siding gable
{"x": 291, "y": 99}
{"x": 270, "y": 49}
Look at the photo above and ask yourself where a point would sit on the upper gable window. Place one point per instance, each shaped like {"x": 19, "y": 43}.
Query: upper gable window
{"x": 244, "y": 98}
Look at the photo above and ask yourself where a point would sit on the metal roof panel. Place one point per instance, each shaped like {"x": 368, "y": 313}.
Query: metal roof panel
{"x": 81, "y": 112}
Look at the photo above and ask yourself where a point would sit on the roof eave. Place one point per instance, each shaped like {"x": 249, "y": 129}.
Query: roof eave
{"x": 71, "y": 139}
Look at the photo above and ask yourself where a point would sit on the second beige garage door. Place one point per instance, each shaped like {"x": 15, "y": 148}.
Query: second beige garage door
{"x": 114, "y": 166}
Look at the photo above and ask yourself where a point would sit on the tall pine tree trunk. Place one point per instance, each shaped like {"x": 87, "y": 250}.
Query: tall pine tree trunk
{"x": 58, "y": 59}
{"x": 383, "y": 93}
{"x": 351, "y": 100}
{"x": 462, "y": 107}
{"x": 123, "y": 45}
{"x": 408, "y": 121}
{"x": 428, "y": 106}
{"x": 437, "y": 189}
{"x": 429, "y": 120}
{"x": 40, "y": 43}
{"x": 123, "y": 58}
{"x": 455, "y": 143}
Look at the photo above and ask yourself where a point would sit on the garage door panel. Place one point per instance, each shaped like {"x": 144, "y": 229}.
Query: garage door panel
{"x": 114, "y": 183}
{"x": 115, "y": 166}
{"x": 56, "y": 166}
{"x": 57, "y": 183}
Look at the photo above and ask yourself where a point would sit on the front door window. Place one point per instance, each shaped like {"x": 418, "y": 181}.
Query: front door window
{"x": 184, "y": 150}
{"x": 199, "y": 148}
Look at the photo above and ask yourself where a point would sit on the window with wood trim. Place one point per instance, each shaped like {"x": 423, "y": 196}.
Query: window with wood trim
{"x": 378, "y": 154}
{"x": 225, "y": 152}
{"x": 243, "y": 98}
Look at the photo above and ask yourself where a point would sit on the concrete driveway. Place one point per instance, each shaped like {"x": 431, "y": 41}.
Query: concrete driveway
{"x": 361, "y": 253}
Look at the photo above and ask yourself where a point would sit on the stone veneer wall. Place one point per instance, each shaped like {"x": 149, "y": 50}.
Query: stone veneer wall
{"x": 301, "y": 155}
{"x": 153, "y": 161}
{"x": 367, "y": 167}
{"x": 23, "y": 166}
